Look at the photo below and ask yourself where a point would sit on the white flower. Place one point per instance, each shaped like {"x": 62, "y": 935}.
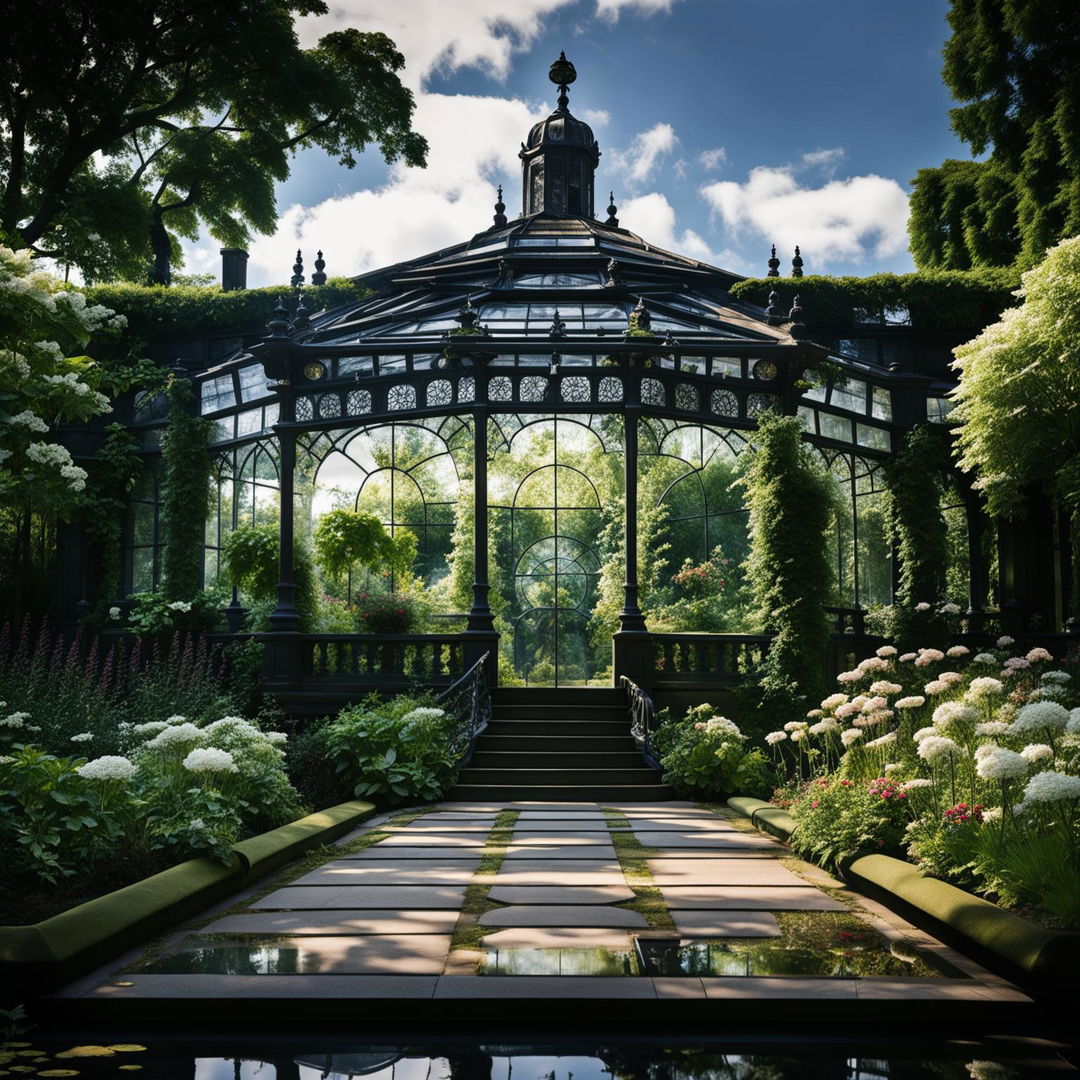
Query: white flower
{"x": 114, "y": 613}
{"x": 892, "y": 767}
{"x": 179, "y": 605}
{"x": 1005, "y": 641}
{"x": 775, "y": 737}
{"x": 951, "y": 609}
{"x": 918, "y": 782}
{"x": 1051, "y": 692}
{"x": 813, "y": 714}
{"x": 834, "y": 701}
{"x": 992, "y": 728}
{"x": 176, "y": 719}
{"x": 1052, "y": 787}
{"x": 197, "y": 824}
{"x": 950, "y": 678}
{"x": 882, "y": 740}
{"x": 885, "y": 687}
{"x": 849, "y": 676}
{"x": 171, "y": 736}
{"x": 847, "y": 710}
{"x": 1036, "y": 752}
{"x": 984, "y": 658}
{"x": 873, "y": 663}
{"x": 1039, "y": 655}
{"x": 151, "y": 727}
{"x": 210, "y": 759}
{"x": 75, "y": 476}
{"x": 886, "y": 652}
{"x": 713, "y": 725}
{"x": 850, "y": 735}
{"x": 992, "y": 816}
{"x": 1072, "y": 725}
{"x": 954, "y": 714}
{"x": 798, "y": 736}
{"x": 982, "y": 687}
{"x": 997, "y": 763}
{"x": 1041, "y": 716}
{"x": 29, "y": 420}
{"x": 48, "y": 454}
{"x": 935, "y": 746}
{"x": 276, "y": 738}
{"x": 796, "y": 725}
{"x": 424, "y": 712}
{"x": 83, "y": 736}
{"x": 823, "y": 727}
{"x": 923, "y": 732}
{"x": 1060, "y": 677}
{"x": 1017, "y": 663}
{"x": 15, "y": 720}
{"x": 936, "y": 686}
{"x": 908, "y": 657}
{"x": 874, "y": 704}
{"x": 916, "y": 701}
{"x": 107, "y": 768}
{"x": 957, "y": 650}
{"x": 922, "y": 606}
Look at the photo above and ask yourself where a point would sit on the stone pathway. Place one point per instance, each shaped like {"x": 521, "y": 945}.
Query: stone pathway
{"x": 411, "y": 906}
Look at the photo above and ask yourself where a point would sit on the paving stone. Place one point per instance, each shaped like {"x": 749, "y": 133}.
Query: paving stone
{"x": 558, "y": 937}
{"x": 560, "y": 853}
{"x": 724, "y": 924}
{"x": 676, "y": 986}
{"x": 731, "y": 871}
{"x": 536, "y": 987}
{"x": 727, "y": 842}
{"x": 230, "y": 988}
{"x": 691, "y": 825}
{"x": 871, "y": 989}
{"x": 520, "y": 838}
{"x": 542, "y": 872}
{"x": 570, "y": 825}
{"x": 564, "y": 915}
{"x": 783, "y": 987}
{"x": 448, "y": 828}
{"x": 547, "y": 806}
{"x": 339, "y": 922}
{"x": 430, "y": 839}
{"x": 362, "y": 897}
{"x": 394, "y": 854}
{"x": 749, "y": 898}
{"x": 562, "y": 895}
{"x": 472, "y": 808}
{"x": 561, "y": 815}
{"x": 417, "y": 872}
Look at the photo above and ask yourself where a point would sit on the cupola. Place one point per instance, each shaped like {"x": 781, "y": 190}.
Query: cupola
{"x": 559, "y": 160}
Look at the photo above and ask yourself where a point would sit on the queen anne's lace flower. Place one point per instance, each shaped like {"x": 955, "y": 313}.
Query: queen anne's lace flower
{"x": 937, "y": 746}
{"x": 886, "y": 652}
{"x": 882, "y": 740}
{"x": 426, "y": 712}
{"x": 953, "y": 715}
{"x": 984, "y": 686}
{"x": 984, "y": 658}
{"x": 210, "y": 759}
{"x": 1005, "y": 641}
{"x": 775, "y": 737}
{"x": 851, "y": 735}
{"x": 1051, "y": 787}
{"x": 915, "y": 701}
{"x": 998, "y": 763}
{"x": 923, "y": 732}
{"x": 1036, "y": 752}
{"x": 110, "y": 767}
{"x": 834, "y": 701}
{"x": 883, "y": 686}
{"x": 873, "y": 663}
{"x": 171, "y": 736}
{"x": 796, "y": 725}
{"x": 922, "y": 606}
{"x": 823, "y": 727}
{"x": 1039, "y": 655}
{"x": 957, "y": 650}
{"x": 914, "y": 785}
{"x": 908, "y": 657}
{"x": 935, "y": 687}
{"x": 1059, "y": 677}
{"x": 950, "y": 609}
{"x": 992, "y": 728}
{"x": 849, "y": 676}
{"x": 1072, "y": 725}
{"x": 951, "y": 678}
{"x": 1041, "y": 716}
{"x": 83, "y": 736}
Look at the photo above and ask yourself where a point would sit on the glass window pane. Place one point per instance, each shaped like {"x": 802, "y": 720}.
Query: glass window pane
{"x": 253, "y": 383}
{"x": 217, "y": 394}
{"x": 349, "y": 365}
{"x": 881, "y": 404}
{"x": 938, "y": 409}
{"x": 878, "y": 438}
{"x": 727, "y": 366}
{"x": 851, "y": 395}
{"x": 835, "y": 427}
{"x": 248, "y": 423}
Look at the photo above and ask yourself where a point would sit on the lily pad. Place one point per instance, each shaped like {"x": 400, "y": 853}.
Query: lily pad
{"x": 129, "y": 1068}
{"x": 59, "y": 1072}
{"x": 85, "y": 1052}
{"x": 126, "y": 1048}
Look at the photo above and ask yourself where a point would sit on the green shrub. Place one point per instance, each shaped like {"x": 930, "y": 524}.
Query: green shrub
{"x": 386, "y": 613}
{"x": 392, "y": 752}
{"x": 704, "y": 755}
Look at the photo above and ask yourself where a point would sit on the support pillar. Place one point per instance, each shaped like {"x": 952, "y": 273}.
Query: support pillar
{"x": 480, "y": 636}
{"x": 632, "y": 644}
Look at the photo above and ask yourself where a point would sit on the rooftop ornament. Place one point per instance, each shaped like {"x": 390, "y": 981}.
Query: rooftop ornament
{"x": 774, "y": 264}
{"x": 302, "y": 319}
{"x": 640, "y": 319}
{"x": 558, "y": 327}
{"x": 796, "y": 263}
{"x": 297, "y": 278}
{"x": 797, "y": 329}
{"x": 319, "y": 277}
{"x": 614, "y": 277}
{"x": 562, "y": 73}
{"x": 773, "y": 315}
{"x": 467, "y": 316}
{"x": 500, "y": 211}
{"x": 279, "y": 324}
{"x": 612, "y": 210}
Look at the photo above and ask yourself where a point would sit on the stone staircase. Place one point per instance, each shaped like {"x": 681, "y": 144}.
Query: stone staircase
{"x": 558, "y": 744}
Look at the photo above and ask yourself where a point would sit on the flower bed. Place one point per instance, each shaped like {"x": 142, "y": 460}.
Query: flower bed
{"x": 967, "y": 765}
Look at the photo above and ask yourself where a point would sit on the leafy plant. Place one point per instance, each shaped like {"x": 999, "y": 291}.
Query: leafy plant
{"x": 705, "y": 755}
{"x": 386, "y": 613}
{"x": 152, "y": 614}
{"x": 347, "y": 538}
{"x": 252, "y": 559}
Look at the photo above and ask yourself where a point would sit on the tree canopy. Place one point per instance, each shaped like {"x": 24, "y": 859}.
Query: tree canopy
{"x": 127, "y": 126}
{"x": 1019, "y": 392}
{"x": 1011, "y": 64}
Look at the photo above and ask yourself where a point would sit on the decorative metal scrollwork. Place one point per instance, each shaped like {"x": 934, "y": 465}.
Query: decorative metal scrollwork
{"x": 653, "y": 393}
{"x": 686, "y": 397}
{"x": 575, "y": 389}
{"x": 329, "y": 406}
{"x": 533, "y": 388}
{"x": 439, "y": 393}
{"x": 756, "y": 404}
{"x": 401, "y": 396}
{"x": 499, "y": 389}
{"x": 466, "y": 388}
{"x": 724, "y": 403}
{"x": 305, "y": 409}
{"x": 358, "y": 402}
{"x": 611, "y": 389}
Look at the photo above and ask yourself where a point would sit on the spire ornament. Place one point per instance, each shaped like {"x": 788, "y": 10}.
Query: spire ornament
{"x": 798, "y": 328}
{"x": 558, "y": 327}
{"x": 612, "y": 210}
{"x": 796, "y": 263}
{"x": 319, "y": 277}
{"x": 773, "y": 315}
{"x": 774, "y": 264}
{"x": 302, "y": 318}
{"x": 500, "y": 211}
{"x": 279, "y": 324}
{"x": 562, "y": 73}
{"x": 614, "y": 275}
{"x": 297, "y": 278}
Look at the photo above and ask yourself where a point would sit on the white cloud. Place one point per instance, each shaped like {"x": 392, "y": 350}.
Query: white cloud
{"x": 596, "y": 117}
{"x": 434, "y": 35}
{"x": 826, "y": 160}
{"x": 841, "y": 220}
{"x": 652, "y": 217}
{"x": 644, "y": 153}
{"x": 713, "y": 159}
{"x": 612, "y": 9}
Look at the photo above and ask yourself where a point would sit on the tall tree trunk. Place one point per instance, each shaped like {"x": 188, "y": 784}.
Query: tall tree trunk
{"x": 161, "y": 270}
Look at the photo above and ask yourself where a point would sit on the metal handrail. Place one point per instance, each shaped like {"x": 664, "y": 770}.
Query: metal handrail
{"x": 642, "y": 716}
{"x": 470, "y": 698}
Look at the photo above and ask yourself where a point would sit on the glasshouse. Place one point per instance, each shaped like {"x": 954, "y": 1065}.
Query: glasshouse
{"x": 734, "y": 619}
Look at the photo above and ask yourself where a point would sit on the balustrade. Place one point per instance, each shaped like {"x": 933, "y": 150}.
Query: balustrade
{"x": 431, "y": 658}
{"x": 723, "y": 658}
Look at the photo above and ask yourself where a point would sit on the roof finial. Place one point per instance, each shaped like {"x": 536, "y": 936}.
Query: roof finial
{"x": 279, "y": 323}
{"x": 302, "y": 318}
{"x": 467, "y": 314}
{"x": 797, "y": 329}
{"x": 500, "y": 211}
{"x": 640, "y": 319}
{"x": 319, "y": 277}
{"x": 612, "y": 210}
{"x": 773, "y": 315}
{"x": 614, "y": 277}
{"x": 774, "y": 264}
{"x": 796, "y": 263}
{"x": 297, "y": 278}
{"x": 558, "y": 327}
{"x": 562, "y": 74}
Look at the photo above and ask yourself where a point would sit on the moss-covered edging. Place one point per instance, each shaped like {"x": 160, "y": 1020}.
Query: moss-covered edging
{"x": 1023, "y": 944}
{"x": 39, "y": 956}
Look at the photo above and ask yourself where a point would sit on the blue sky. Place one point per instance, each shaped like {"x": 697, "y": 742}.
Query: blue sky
{"x": 724, "y": 125}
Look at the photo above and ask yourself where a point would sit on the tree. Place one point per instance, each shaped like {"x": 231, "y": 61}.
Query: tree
{"x": 1012, "y": 66}
{"x": 124, "y": 127}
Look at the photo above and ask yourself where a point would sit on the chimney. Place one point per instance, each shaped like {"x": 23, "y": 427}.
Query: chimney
{"x": 233, "y": 268}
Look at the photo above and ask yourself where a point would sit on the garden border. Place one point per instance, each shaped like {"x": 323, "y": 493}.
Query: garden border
{"x": 37, "y": 957}
{"x": 1023, "y": 945}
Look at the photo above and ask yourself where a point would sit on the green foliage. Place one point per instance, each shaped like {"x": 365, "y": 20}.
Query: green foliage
{"x": 386, "y": 613}
{"x": 1019, "y": 392}
{"x": 790, "y": 498}
{"x": 252, "y": 561}
{"x": 839, "y": 820}
{"x": 915, "y": 477}
{"x": 155, "y": 615}
{"x": 1012, "y": 66}
{"x": 933, "y": 299}
{"x": 704, "y": 755}
{"x": 392, "y": 752}
{"x": 155, "y": 312}
{"x": 180, "y": 122}
{"x": 346, "y": 538}
{"x": 185, "y": 494}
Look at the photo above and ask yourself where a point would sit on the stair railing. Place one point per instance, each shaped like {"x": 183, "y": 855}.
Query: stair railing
{"x": 642, "y": 719}
{"x": 468, "y": 700}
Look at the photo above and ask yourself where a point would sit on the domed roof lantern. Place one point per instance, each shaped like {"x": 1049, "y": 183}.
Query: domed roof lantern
{"x": 559, "y": 158}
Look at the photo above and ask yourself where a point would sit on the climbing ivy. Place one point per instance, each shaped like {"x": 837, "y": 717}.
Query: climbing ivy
{"x": 790, "y": 497}
{"x": 185, "y": 496}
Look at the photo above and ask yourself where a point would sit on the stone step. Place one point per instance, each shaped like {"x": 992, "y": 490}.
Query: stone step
{"x": 559, "y": 711}
{"x": 558, "y": 695}
{"x": 597, "y": 791}
{"x": 573, "y": 744}
{"x": 637, "y": 774}
{"x": 483, "y": 758}
{"x": 610, "y": 728}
